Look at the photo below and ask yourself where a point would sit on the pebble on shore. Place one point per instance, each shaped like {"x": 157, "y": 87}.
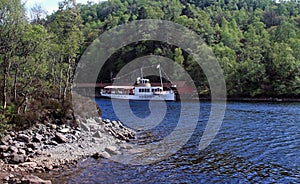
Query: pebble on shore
{"x": 46, "y": 147}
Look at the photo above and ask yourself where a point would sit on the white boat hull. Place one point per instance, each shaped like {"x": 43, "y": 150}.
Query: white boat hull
{"x": 160, "y": 97}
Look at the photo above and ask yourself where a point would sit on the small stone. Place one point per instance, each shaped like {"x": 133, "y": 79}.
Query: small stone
{"x": 13, "y": 149}
{"x": 120, "y": 123}
{"x": 48, "y": 167}
{"x": 91, "y": 121}
{"x": 28, "y": 164}
{"x": 30, "y": 179}
{"x": 126, "y": 146}
{"x": 76, "y": 133}
{"x": 96, "y": 156}
{"x": 53, "y": 126}
{"x": 3, "y": 148}
{"x": 114, "y": 123}
{"x": 98, "y": 120}
{"x": 16, "y": 180}
{"x": 6, "y": 178}
{"x": 54, "y": 143}
{"x": 22, "y": 152}
{"x": 106, "y": 121}
{"x": 6, "y": 140}
{"x": 60, "y": 138}
{"x": 84, "y": 127}
{"x": 37, "y": 138}
{"x": 24, "y": 138}
{"x": 80, "y": 146}
{"x": 94, "y": 127}
{"x": 16, "y": 159}
{"x": 29, "y": 150}
{"x": 64, "y": 130}
{"x": 118, "y": 153}
{"x": 12, "y": 134}
{"x": 19, "y": 144}
{"x": 5, "y": 155}
{"x": 111, "y": 150}
{"x": 38, "y": 152}
{"x": 121, "y": 136}
{"x": 98, "y": 135}
{"x": 131, "y": 135}
{"x": 105, "y": 155}
{"x": 32, "y": 146}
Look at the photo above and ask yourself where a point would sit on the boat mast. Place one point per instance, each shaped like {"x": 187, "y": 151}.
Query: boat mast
{"x": 160, "y": 76}
{"x": 142, "y": 72}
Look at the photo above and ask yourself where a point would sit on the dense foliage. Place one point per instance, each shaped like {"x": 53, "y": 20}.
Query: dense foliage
{"x": 37, "y": 60}
{"x": 257, "y": 44}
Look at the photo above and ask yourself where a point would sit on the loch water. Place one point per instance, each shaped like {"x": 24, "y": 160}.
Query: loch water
{"x": 256, "y": 143}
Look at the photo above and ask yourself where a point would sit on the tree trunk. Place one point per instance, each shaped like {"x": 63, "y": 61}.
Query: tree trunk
{"x": 60, "y": 83}
{"x": 15, "y": 84}
{"x": 4, "y": 90}
{"x": 68, "y": 79}
{"x": 53, "y": 72}
{"x": 26, "y": 103}
{"x": 21, "y": 104}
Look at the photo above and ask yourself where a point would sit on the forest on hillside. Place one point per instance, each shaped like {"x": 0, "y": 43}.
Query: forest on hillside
{"x": 257, "y": 44}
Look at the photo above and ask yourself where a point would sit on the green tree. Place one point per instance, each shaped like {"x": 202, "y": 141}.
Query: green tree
{"x": 179, "y": 59}
{"x": 12, "y": 23}
{"x": 230, "y": 34}
{"x": 285, "y": 31}
{"x": 67, "y": 28}
{"x": 284, "y": 70}
{"x": 31, "y": 69}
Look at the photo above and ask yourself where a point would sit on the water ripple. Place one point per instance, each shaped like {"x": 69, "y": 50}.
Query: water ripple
{"x": 257, "y": 143}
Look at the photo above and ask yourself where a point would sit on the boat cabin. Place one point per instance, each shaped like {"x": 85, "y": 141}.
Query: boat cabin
{"x": 121, "y": 90}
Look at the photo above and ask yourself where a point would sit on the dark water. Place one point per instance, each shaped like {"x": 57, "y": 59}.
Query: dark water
{"x": 257, "y": 143}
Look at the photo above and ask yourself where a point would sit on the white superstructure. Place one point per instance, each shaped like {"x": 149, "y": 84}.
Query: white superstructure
{"x": 141, "y": 91}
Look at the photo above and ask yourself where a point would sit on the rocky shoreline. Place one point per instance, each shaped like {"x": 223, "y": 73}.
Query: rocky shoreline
{"x": 45, "y": 148}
